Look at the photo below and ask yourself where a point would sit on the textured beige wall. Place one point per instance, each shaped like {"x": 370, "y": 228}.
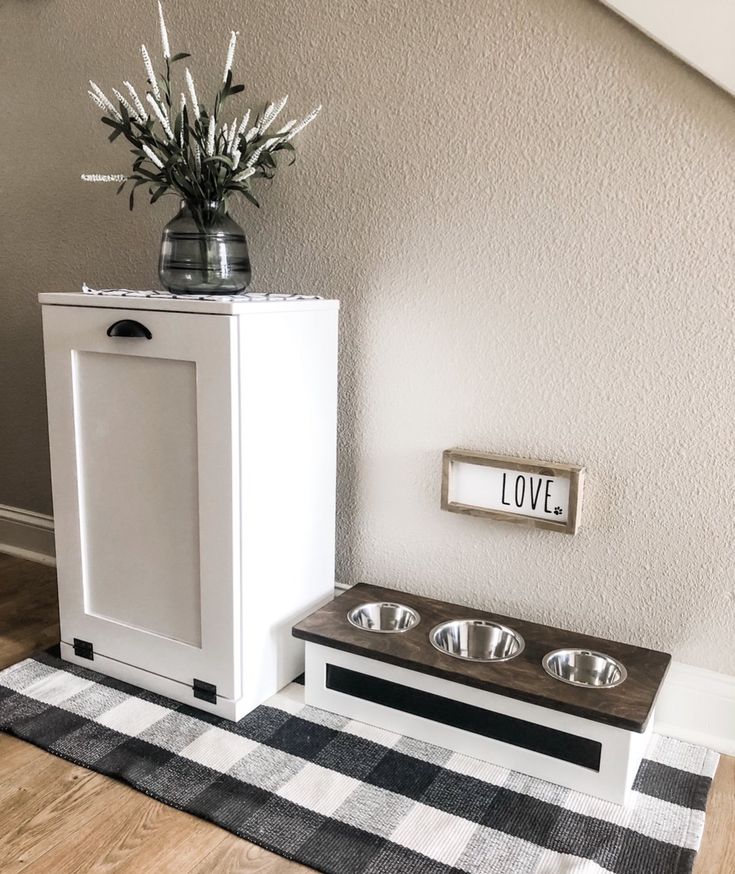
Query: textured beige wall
{"x": 526, "y": 209}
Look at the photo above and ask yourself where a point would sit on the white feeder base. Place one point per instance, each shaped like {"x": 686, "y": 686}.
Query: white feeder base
{"x": 620, "y": 751}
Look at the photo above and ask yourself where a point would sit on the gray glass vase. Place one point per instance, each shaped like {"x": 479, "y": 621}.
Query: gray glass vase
{"x": 203, "y": 251}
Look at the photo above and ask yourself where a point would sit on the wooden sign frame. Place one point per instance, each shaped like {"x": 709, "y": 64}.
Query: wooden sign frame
{"x": 572, "y": 472}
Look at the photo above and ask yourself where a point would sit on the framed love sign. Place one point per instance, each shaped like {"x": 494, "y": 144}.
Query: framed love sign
{"x": 542, "y": 494}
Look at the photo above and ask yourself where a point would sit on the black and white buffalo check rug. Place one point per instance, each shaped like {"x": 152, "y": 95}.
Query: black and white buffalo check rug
{"x": 347, "y": 798}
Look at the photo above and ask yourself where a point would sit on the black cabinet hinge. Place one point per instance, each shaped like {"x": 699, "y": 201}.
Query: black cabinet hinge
{"x": 205, "y": 691}
{"x": 83, "y": 649}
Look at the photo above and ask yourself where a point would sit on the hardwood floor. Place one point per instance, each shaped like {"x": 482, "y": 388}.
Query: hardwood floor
{"x": 57, "y": 818}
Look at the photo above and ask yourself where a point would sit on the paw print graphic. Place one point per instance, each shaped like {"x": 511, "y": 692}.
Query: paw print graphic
{"x": 558, "y": 511}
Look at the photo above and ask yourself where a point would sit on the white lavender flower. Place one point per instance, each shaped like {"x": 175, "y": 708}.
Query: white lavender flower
{"x": 149, "y": 73}
{"x": 254, "y": 157}
{"x": 246, "y": 174}
{"x": 103, "y": 100}
{"x": 123, "y": 102}
{"x": 251, "y": 134}
{"x": 210, "y": 135}
{"x": 286, "y": 128}
{"x": 264, "y": 118}
{"x": 302, "y": 124}
{"x": 164, "y": 33}
{"x": 182, "y": 107}
{"x": 103, "y": 177}
{"x": 137, "y": 101}
{"x": 97, "y": 102}
{"x": 243, "y": 125}
{"x": 197, "y": 156}
{"x": 231, "y": 136}
{"x": 236, "y": 156}
{"x": 152, "y": 155}
{"x": 271, "y": 113}
{"x": 192, "y": 94}
{"x": 230, "y": 54}
{"x": 161, "y": 116}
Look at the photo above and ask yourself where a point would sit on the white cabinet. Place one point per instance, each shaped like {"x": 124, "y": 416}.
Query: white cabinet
{"x": 193, "y": 469}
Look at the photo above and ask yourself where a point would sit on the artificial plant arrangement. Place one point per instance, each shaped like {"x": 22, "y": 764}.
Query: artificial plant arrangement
{"x": 181, "y": 147}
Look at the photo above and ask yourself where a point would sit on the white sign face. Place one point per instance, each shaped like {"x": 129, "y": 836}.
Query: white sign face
{"x": 510, "y": 491}
{"x": 538, "y": 493}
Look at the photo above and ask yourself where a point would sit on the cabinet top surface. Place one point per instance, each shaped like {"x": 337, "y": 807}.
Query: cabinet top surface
{"x": 247, "y": 303}
{"x": 626, "y": 706}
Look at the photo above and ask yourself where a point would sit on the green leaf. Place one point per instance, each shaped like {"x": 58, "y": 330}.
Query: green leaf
{"x": 221, "y": 158}
{"x": 180, "y": 56}
{"x": 251, "y": 198}
{"x": 159, "y": 192}
{"x": 132, "y": 190}
{"x": 236, "y": 89}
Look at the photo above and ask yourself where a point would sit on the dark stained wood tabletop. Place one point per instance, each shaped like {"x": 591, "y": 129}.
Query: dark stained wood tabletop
{"x": 626, "y": 706}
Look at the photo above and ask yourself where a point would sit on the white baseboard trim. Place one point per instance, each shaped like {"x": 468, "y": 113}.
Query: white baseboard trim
{"x": 27, "y": 534}
{"x": 698, "y": 705}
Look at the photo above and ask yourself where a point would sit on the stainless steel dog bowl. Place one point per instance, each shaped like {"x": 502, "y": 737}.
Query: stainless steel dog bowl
{"x": 583, "y": 667}
{"x": 477, "y": 640}
{"x": 384, "y": 617}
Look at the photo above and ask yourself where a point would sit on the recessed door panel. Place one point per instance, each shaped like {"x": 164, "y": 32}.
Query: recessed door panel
{"x": 136, "y": 421}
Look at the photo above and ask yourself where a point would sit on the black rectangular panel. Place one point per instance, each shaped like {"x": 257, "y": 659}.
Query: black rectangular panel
{"x": 205, "y": 691}
{"x": 83, "y": 649}
{"x": 518, "y": 732}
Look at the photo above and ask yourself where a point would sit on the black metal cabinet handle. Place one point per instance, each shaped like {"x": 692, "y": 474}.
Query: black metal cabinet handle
{"x": 128, "y": 328}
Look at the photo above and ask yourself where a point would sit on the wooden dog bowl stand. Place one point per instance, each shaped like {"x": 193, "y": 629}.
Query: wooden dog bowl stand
{"x": 510, "y": 713}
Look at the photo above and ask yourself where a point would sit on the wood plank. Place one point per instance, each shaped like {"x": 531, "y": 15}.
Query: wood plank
{"x": 234, "y": 855}
{"x": 16, "y": 755}
{"x": 17, "y": 646}
{"x": 8, "y": 562}
{"x": 16, "y": 573}
{"x": 183, "y": 842}
{"x": 29, "y": 613}
{"x": 140, "y": 834}
{"x": 58, "y": 819}
{"x": 26, "y": 801}
{"x": 717, "y": 853}
{"x": 33, "y": 769}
